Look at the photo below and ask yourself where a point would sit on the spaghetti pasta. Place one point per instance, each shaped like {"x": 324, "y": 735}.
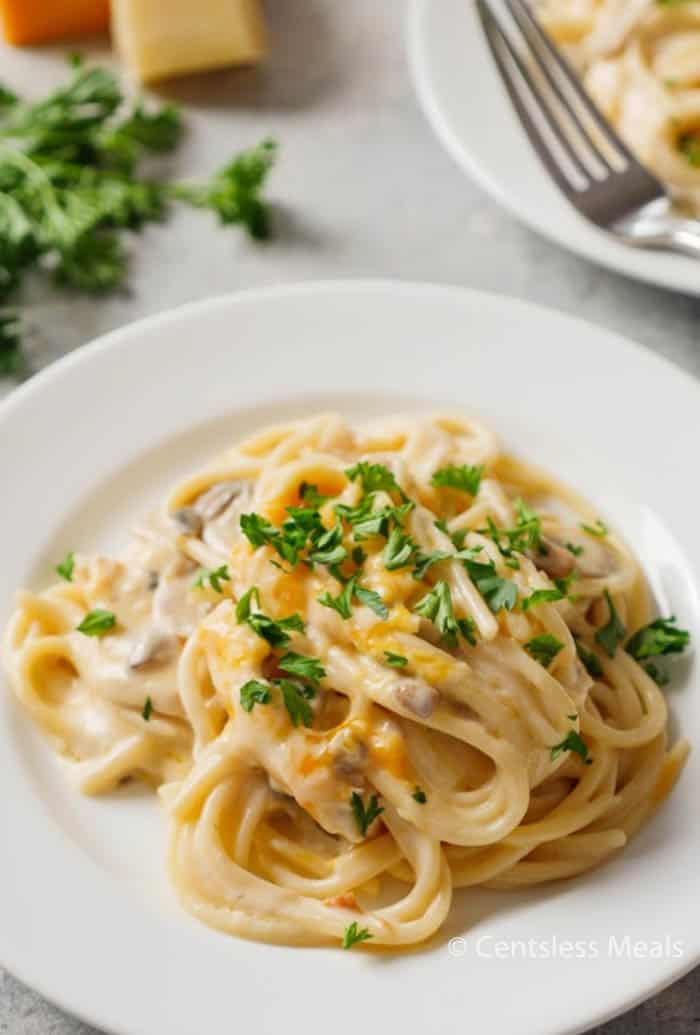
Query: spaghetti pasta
{"x": 364, "y": 667}
{"x": 640, "y": 60}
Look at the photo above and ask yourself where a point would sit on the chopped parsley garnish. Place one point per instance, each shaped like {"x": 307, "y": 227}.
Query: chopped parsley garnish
{"x": 420, "y": 796}
{"x": 613, "y": 632}
{"x": 67, "y": 566}
{"x": 571, "y": 742}
{"x": 437, "y": 607}
{"x": 302, "y": 666}
{"x": 544, "y": 648}
{"x": 574, "y": 549}
{"x": 423, "y": 561}
{"x": 498, "y": 592}
{"x": 659, "y": 637}
{"x": 311, "y": 496}
{"x": 296, "y": 700}
{"x": 660, "y": 677}
{"x": 600, "y": 529}
{"x": 276, "y": 632}
{"x": 328, "y": 547}
{"x": 97, "y": 622}
{"x": 542, "y": 596}
{"x": 147, "y": 709}
{"x": 374, "y": 478}
{"x": 354, "y": 934}
{"x": 364, "y": 817}
{"x": 343, "y": 602}
{"x": 395, "y": 660}
{"x": 372, "y": 600}
{"x": 688, "y": 143}
{"x": 591, "y": 661}
{"x": 254, "y": 692}
{"x": 214, "y": 576}
{"x": 467, "y": 627}
{"x": 466, "y": 478}
{"x": 398, "y": 550}
{"x": 358, "y": 556}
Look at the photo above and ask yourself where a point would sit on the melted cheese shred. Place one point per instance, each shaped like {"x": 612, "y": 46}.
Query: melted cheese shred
{"x": 640, "y": 61}
{"x": 264, "y": 841}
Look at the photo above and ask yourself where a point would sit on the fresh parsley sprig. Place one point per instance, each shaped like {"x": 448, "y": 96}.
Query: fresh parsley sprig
{"x": 544, "y": 648}
{"x": 571, "y": 742}
{"x": 97, "y": 622}
{"x": 465, "y": 477}
{"x": 70, "y": 184}
{"x": 353, "y": 935}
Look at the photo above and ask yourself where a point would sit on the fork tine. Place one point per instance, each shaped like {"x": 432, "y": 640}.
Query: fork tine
{"x": 533, "y": 36}
{"x": 497, "y": 39}
{"x": 532, "y": 30}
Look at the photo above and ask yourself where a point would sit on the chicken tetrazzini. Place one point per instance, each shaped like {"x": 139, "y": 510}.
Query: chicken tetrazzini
{"x": 640, "y": 60}
{"x": 364, "y": 668}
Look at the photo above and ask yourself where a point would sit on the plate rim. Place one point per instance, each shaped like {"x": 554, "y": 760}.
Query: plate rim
{"x": 468, "y": 162}
{"x": 120, "y": 338}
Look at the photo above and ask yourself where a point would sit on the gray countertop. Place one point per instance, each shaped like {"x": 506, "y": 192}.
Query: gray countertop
{"x": 363, "y": 189}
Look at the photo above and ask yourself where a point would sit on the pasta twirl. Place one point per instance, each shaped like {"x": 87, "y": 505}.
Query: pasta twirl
{"x": 364, "y": 667}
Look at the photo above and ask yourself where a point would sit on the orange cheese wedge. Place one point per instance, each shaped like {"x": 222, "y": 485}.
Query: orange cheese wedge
{"x": 40, "y": 21}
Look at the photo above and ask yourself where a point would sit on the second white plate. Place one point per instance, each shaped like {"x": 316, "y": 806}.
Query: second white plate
{"x": 467, "y": 105}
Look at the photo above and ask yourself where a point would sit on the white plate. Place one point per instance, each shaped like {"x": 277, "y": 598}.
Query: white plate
{"x": 86, "y": 914}
{"x": 467, "y": 105}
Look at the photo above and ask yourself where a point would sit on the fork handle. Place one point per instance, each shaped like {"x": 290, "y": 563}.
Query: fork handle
{"x": 670, "y": 234}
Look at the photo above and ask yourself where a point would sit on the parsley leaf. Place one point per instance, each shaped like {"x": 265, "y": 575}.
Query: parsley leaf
{"x": 573, "y": 549}
{"x": 467, "y": 627}
{"x": 254, "y": 692}
{"x": 659, "y": 637}
{"x": 395, "y": 660}
{"x": 398, "y": 550}
{"x": 372, "y": 600}
{"x": 365, "y": 817}
{"x": 497, "y": 592}
{"x": 214, "y": 576}
{"x": 423, "y": 561}
{"x": 437, "y": 607}
{"x": 600, "y": 529}
{"x": 420, "y": 796}
{"x": 354, "y": 934}
{"x": 466, "y": 478}
{"x": 343, "y": 602}
{"x": 97, "y": 622}
{"x": 302, "y": 666}
{"x": 147, "y": 709}
{"x": 296, "y": 700}
{"x": 328, "y": 547}
{"x": 276, "y": 632}
{"x": 571, "y": 742}
{"x": 374, "y": 478}
{"x": 233, "y": 193}
{"x": 544, "y": 648}
{"x": 542, "y": 596}
{"x": 311, "y": 496}
{"x": 613, "y": 632}
{"x": 66, "y": 567}
{"x": 660, "y": 677}
{"x": 591, "y": 661}
{"x": 257, "y": 530}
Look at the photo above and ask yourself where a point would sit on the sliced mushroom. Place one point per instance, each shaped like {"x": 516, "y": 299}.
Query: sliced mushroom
{"x": 556, "y": 560}
{"x": 348, "y": 753}
{"x": 188, "y": 521}
{"x": 153, "y": 647}
{"x": 417, "y": 696}
{"x": 215, "y": 500}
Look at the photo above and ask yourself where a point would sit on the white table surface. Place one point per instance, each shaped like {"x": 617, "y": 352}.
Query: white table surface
{"x": 362, "y": 189}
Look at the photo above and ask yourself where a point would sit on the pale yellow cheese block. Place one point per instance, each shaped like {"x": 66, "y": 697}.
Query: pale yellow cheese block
{"x": 161, "y": 38}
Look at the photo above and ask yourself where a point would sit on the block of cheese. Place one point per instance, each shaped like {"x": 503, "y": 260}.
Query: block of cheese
{"x": 161, "y": 38}
{"x": 39, "y": 21}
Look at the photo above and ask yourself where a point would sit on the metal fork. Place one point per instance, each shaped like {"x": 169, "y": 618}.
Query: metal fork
{"x": 582, "y": 152}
